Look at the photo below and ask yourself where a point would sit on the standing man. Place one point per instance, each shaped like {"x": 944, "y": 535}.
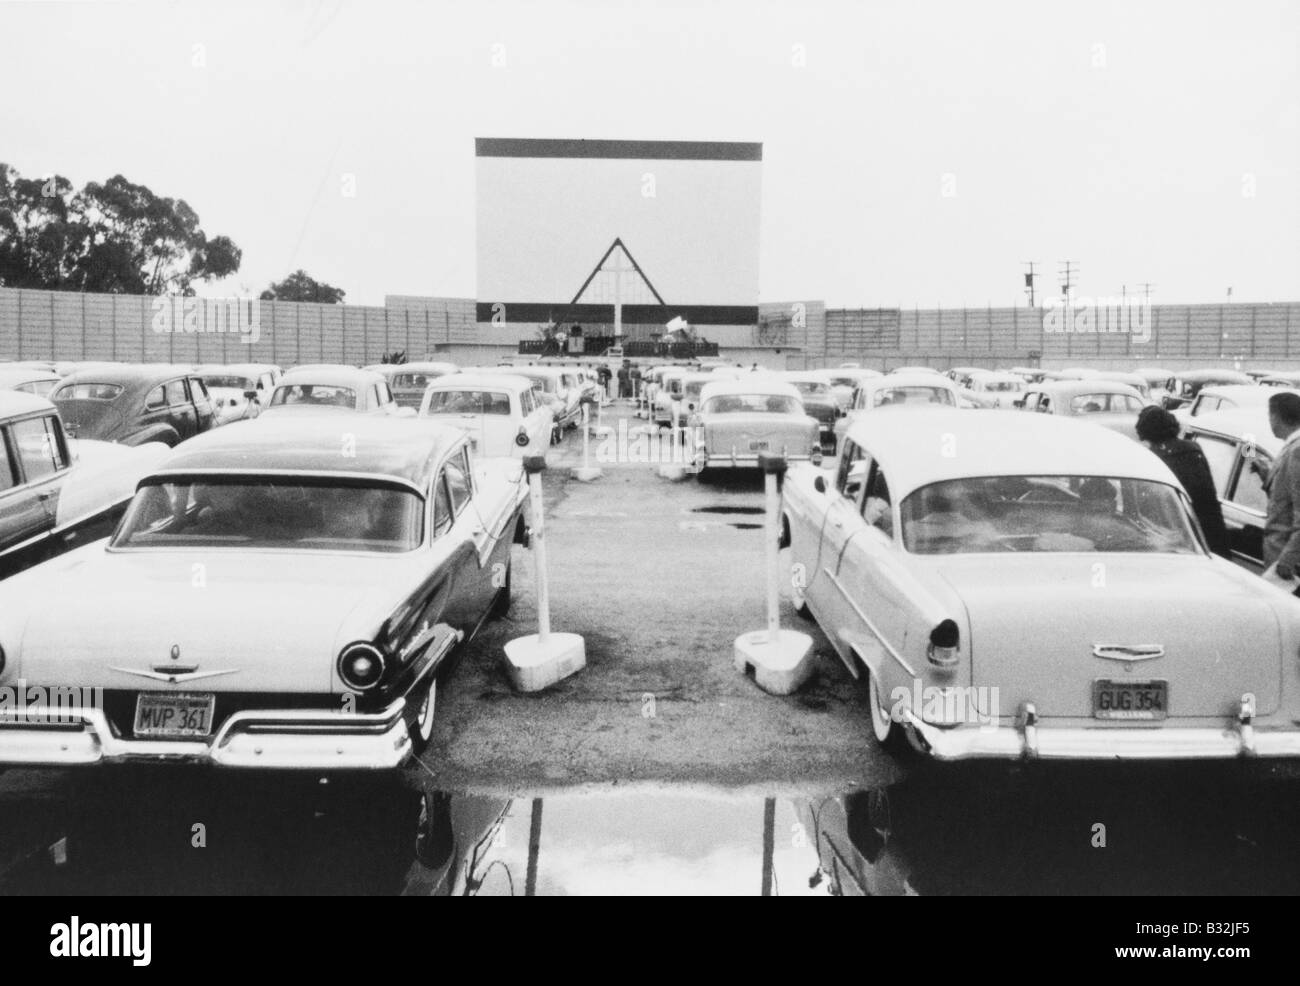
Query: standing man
{"x": 625, "y": 379}
{"x": 636, "y": 381}
{"x": 1158, "y": 430}
{"x": 1282, "y": 526}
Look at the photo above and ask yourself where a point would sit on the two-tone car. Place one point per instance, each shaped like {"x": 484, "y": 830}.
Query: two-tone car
{"x": 1106, "y": 403}
{"x": 1182, "y": 388}
{"x": 739, "y": 420}
{"x": 1027, "y": 586}
{"x": 898, "y": 391}
{"x": 267, "y": 602}
{"x": 819, "y": 401}
{"x": 991, "y": 389}
{"x": 135, "y": 404}
{"x": 501, "y": 413}
{"x": 409, "y": 381}
{"x": 332, "y": 389}
{"x": 57, "y": 493}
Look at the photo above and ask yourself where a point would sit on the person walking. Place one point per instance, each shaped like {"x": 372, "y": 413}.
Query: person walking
{"x": 1158, "y": 430}
{"x": 1282, "y": 523}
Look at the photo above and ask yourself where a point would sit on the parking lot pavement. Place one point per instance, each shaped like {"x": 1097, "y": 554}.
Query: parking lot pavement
{"x": 660, "y": 578}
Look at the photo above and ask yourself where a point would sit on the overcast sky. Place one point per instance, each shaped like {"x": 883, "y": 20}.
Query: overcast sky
{"x": 915, "y": 153}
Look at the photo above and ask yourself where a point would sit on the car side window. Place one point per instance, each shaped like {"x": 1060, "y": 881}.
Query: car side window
{"x": 876, "y": 505}
{"x": 38, "y": 448}
{"x": 1248, "y": 491}
{"x": 442, "y": 512}
{"x": 8, "y": 477}
{"x": 385, "y": 393}
{"x": 175, "y": 394}
{"x": 1221, "y": 454}
{"x": 155, "y": 399}
{"x": 854, "y": 467}
{"x": 200, "y": 391}
{"x": 457, "y": 483}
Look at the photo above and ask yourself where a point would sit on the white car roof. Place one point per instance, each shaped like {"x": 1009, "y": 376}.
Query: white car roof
{"x": 1249, "y": 394}
{"x": 756, "y": 383}
{"x": 16, "y": 402}
{"x": 330, "y": 376}
{"x": 891, "y": 381}
{"x": 507, "y": 382}
{"x": 931, "y": 445}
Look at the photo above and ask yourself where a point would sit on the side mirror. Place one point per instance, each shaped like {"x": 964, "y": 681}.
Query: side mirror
{"x": 250, "y": 395}
{"x": 819, "y": 484}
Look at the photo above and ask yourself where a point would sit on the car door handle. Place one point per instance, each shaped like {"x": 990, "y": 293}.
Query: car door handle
{"x": 45, "y": 495}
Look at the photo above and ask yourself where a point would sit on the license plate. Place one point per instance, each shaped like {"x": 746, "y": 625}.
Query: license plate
{"x": 1130, "y": 699}
{"x": 173, "y": 714}
{"x": 758, "y": 446}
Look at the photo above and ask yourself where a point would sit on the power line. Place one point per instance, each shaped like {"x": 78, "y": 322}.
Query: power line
{"x": 1068, "y": 274}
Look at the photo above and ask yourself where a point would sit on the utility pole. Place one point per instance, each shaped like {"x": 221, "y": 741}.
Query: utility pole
{"x": 1068, "y": 273}
{"x": 1146, "y": 287}
{"x": 1029, "y": 281}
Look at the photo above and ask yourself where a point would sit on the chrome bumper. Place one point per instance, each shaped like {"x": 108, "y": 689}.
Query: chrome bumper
{"x": 291, "y": 739}
{"x": 1028, "y": 739}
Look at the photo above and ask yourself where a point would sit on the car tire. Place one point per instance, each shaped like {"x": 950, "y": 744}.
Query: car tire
{"x": 422, "y": 727}
{"x": 890, "y": 736}
{"x": 435, "y": 836}
{"x": 557, "y": 435}
{"x": 501, "y": 601}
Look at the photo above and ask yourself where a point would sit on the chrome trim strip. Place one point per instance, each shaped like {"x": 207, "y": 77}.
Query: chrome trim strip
{"x": 870, "y": 626}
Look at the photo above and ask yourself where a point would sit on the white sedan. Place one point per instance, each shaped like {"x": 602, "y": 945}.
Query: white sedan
{"x": 1023, "y": 585}
{"x": 502, "y": 414}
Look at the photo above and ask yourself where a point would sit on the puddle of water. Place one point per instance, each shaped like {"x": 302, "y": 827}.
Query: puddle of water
{"x": 751, "y": 511}
{"x": 747, "y": 527}
{"x": 935, "y": 832}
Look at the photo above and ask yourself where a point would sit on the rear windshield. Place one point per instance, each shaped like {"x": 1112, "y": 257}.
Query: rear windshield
{"x": 224, "y": 512}
{"x": 468, "y": 402}
{"x": 912, "y": 395}
{"x": 810, "y": 388}
{"x": 230, "y": 383}
{"x": 1044, "y": 514}
{"x": 753, "y": 403}
{"x": 88, "y": 392}
{"x": 314, "y": 395}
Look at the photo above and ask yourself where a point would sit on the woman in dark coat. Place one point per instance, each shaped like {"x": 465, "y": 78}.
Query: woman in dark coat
{"x": 1158, "y": 430}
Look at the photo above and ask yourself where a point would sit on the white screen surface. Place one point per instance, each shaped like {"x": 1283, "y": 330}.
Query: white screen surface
{"x": 691, "y": 226}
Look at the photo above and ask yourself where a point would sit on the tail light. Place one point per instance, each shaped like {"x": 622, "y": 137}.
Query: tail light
{"x": 943, "y": 644}
{"x": 522, "y": 438}
{"x": 361, "y": 666}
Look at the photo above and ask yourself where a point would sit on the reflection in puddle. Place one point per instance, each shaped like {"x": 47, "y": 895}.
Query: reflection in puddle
{"x": 1081, "y": 831}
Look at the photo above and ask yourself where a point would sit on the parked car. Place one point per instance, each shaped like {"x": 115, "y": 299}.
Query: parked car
{"x": 739, "y": 419}
{"x": 39, "y": 383}
{"x": 334, "y": 389}
{"x": 501, "y": 413}
{"x": 1183, "y": 387}
{"x": 992, "y": 389}
{"x": 57, "y": 493}
{"x": 1240, "y": 447}
{"x": 818, "y": 401}
{"x": 134, "y": 404}
{"x": 1157, "y": 379}
{"x": 845, "y": 380}
{"x": 1134, "y": 380}
{"x": 409, "y": 381}
{"x": 898, "y": 390}
{"x": 1281, "y": 379}
{"x": 267, "y": 603}
{"x": 565, "y": 407}
{"x": 917, "y": 369}
{"x": 1102, "y": 402}
{"x": 1044, "y": 592}
{"x": 238, "y": 392}
{"x": 671, "y": 391}
{"x": 1225, "y": 397}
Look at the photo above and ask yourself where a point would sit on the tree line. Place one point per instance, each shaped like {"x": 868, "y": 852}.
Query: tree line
{"x": 118, "y": 237}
